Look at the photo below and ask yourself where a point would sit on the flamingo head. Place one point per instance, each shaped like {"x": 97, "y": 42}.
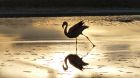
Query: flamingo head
{"x": 64, "y": 24}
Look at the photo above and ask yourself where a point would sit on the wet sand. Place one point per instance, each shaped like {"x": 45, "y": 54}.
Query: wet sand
{"x": 40, "y": 60}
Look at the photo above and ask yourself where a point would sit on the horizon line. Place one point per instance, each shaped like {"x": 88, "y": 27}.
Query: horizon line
{"x": 41, "y": 41}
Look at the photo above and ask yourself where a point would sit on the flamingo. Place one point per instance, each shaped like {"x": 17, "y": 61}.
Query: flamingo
{"x": 75, "y": 60}
{"x": 75, "y": 31}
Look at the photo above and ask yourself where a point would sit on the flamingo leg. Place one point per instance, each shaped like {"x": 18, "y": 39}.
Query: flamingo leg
{"x": 91, "y": 43}
{"x": 87, "y": 53}
{"x": 89, "y": 40}
{"x": 76, "y": 46}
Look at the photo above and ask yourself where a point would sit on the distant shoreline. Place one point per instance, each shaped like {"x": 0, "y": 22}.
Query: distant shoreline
{"x": 53, "y": 12}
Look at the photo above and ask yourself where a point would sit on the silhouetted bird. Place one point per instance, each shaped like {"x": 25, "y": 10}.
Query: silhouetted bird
{"x": 75, "y": 31}
{"x": 75, "y": 60}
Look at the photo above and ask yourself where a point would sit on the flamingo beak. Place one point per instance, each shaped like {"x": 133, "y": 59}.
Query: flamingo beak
{"x": 63, "y": 26}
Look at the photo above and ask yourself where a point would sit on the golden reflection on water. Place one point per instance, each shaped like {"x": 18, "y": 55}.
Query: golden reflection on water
{"x": 36, "y": 47}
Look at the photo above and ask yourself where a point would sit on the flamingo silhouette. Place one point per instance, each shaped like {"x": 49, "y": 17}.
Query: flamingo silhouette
{"x": 75, "y": 31}
{"x": 75, "y": 60}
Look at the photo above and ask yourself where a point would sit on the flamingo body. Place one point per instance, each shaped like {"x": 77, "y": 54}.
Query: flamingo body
{"x": 75, "y": 30}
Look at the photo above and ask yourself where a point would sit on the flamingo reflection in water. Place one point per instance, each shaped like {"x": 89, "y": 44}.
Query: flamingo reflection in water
{"x": 74, "y": 32}
{"x": 75, "y": 60}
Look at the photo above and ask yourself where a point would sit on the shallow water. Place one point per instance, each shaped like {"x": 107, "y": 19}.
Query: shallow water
{"x": 36, "y": 47}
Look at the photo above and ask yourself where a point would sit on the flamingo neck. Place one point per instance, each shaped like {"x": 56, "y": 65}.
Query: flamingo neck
{"x": 65, "y": 61}
{"x": 66, "y": 30}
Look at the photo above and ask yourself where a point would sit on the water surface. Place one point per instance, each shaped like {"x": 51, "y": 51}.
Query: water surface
{"x": 35, "y": 47}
